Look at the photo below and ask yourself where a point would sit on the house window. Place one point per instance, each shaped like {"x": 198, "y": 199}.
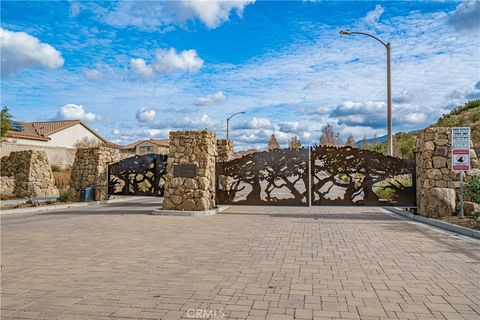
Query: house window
{"x": 146, "y": 149}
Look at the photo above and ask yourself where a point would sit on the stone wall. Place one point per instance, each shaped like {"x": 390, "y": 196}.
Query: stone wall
{"x": 90, "y": 168}
{"x": 196, "y": 193}
{"x": 437, "y": 185}
{"x": 27, "y": 174}
{"x": 62, "y": 157}
{"x": 224, "y": 150}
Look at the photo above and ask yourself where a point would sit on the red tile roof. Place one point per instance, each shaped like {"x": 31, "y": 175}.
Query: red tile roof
{"x": 43, "y": 129}
{"x": 158, "y": 142}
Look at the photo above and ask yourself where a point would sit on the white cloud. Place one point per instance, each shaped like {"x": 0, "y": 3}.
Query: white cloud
{"x": 140, "y": 68}
{"x": 153, "y": 15}
{"x": 466, "y": 15}
{"x": 373, "y": 16}
{"x": 20, "y": 50}
{"x": 291, "y": 126}
{"x": 93, "y": 74}
{"x": 458, "y": 96}
{"x": 255, "y": 123}
{"x": 415, "y": 117}
{"x": 403, "y": 97}
{"x": 373, "y": 114}
{"x": 145, "y": 114}
{"x": 75, "y": 112}
{"x": 211, "y": 99}
{"x": 167, "y": 61}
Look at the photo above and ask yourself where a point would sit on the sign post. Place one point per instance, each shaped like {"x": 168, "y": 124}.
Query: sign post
{"x": 461, "y": 155}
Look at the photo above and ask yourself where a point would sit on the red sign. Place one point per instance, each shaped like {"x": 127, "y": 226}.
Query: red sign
{"x": 461, "y": 160}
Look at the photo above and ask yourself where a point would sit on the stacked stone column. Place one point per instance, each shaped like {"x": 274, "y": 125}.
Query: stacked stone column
{"x": 437, "y": 185}
{"x": 225, "y": 150}
{"x": 27, "y": 174}
{"x": 90, "y": 169}
{"x": 191, "y": 193}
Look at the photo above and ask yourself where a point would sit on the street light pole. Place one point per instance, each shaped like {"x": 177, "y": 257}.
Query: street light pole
{"x": 228, "y": 120}
{"x": 389, "y": 87}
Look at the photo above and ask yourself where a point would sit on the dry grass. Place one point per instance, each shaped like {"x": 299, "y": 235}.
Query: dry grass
{"x": 62, "y": 178}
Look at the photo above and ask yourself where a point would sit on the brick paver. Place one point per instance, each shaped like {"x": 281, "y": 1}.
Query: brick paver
{"x": 116, "y": 261}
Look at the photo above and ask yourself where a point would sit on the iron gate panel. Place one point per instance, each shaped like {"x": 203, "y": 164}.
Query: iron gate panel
{"x": 278, "y": 177}
{"x": 351, "y": 176}
{"x": 138, "y": 175}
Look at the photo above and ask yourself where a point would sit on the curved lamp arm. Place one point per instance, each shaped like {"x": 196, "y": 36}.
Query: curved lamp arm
{"x": 347, "y": 32}
{"x": 241, "y": 112}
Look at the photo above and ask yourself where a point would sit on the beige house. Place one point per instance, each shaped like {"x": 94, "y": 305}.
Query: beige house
{"x": 57, "y": 138}
{"x": 158, "y": 146}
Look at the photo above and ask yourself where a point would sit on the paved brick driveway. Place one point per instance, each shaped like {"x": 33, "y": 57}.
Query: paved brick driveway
{"x": 117, "y": 261}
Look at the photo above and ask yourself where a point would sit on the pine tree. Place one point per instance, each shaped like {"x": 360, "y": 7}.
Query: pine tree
{"x": 273, "y": 143}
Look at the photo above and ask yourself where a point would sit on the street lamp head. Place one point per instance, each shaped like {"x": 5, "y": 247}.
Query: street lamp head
{"x": 345, "y": 32}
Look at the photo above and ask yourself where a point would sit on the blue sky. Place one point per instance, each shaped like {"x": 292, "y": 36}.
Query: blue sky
{"x": 136, "y": 70}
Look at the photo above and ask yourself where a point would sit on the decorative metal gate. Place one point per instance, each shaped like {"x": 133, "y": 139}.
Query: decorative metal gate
{"x": 138, "y": 175}
{"x": 320, "y": 175}
{"x": 350, "y": 176}
{"x": 278, "y": 177}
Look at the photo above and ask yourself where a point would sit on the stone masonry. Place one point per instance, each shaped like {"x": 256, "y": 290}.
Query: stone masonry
{"x": 90, "y": 168}
{"x": 27, "y": 174}
{"x": 196, "y": 193}
{"x": 437, "y": 185}
{"x": 225, "y": 153}
{"x": 224, "y": 150}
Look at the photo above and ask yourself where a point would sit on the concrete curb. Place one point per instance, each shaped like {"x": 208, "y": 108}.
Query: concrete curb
{"x": 64, "y": 206}
{"x": 437, "y": 223}
{"x": 178, "y": 213}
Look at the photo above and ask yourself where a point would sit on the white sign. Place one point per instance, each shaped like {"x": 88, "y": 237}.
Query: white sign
{"x": 461, "y": 149}
{"x": 461, "y": 138}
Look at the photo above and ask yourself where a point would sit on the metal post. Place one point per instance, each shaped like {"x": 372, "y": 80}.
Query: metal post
{"x": 461, "y": 194}
{"x": 389, "y": 87}
{"x": 389, "y": 103}
{"x": 228, "y": 120}
{"x": 309, "y": 176}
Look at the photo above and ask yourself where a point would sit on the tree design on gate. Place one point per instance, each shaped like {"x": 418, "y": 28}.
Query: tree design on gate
{"x": 351, "y": 176}
{"x": 138, "y": 175}
{"x": 277, "y": 177}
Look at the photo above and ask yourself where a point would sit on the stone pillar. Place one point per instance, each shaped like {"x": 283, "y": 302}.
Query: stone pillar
{"x": 437, "y": 185}
{"x": 90, "y": 168}
{"x": 225, "y": 150}
{"x": 196, "y": 193}
{"x": 27, "y": 174}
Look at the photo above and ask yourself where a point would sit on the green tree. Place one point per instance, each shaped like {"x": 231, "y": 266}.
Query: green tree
{"x": 5, "y": 121}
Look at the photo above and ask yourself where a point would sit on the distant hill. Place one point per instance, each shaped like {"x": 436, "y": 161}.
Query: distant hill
{"x": 381, "y": 139}
{"x": 467, "y": 115}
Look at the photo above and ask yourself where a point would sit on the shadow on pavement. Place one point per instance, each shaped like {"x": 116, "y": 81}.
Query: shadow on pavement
{"x": 373, "y": 216}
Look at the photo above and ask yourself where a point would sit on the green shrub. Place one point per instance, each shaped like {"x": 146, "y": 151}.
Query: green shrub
{"x": 472, "y": 189}
{"x": 475, "y": 116}
{"x": 65, "y": 195}
{"x": 384, "y": 192}
{"x": 55, "y": 168}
